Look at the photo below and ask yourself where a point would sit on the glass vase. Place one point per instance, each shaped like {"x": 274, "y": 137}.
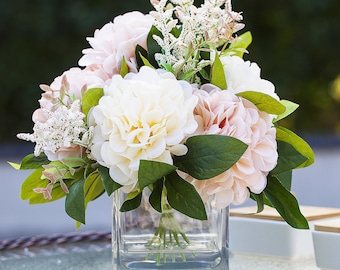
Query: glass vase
{"x": 146, "y": 239}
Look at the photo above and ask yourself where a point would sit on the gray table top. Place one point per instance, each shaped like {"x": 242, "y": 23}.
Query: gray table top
{"x": 97, "y": 255}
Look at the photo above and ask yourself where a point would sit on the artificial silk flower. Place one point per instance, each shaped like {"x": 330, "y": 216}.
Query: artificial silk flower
{"x": 116, "y": 40}
{"x": 59, "y": 132}
{"x": 245, "y": 76}
{"x": 223, "y": 113}
{"x": 68, "y": 87}
{"x": 145, "y": 115}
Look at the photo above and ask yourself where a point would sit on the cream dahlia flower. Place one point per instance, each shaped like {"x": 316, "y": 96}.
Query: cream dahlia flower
{"x": 117, "y": 39}
{"x": 147, "y": 116}
{"x": 245, "y": 76}
{"x": 222, "y": 112}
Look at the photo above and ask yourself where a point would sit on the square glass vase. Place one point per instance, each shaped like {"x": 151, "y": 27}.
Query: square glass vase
{"x": 146, "y": 239}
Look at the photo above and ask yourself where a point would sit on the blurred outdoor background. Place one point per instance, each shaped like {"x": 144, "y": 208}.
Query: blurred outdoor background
{"x": 295, "y": 42}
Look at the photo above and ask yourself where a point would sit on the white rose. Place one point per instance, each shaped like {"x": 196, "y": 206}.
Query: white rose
{"x": 143, "y": 116}
{"x": 245, "y": 76}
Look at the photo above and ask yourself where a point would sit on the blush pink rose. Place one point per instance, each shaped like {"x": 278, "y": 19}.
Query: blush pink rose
{"x": 222, "y": 112}
{"x": 117, "y": 39}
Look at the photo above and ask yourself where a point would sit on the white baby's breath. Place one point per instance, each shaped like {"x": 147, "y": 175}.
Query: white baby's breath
{"x": 202, "y": 28}
{"x": 63, "y": 127}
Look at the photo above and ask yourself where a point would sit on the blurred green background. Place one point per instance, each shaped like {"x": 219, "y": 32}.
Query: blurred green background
{"x": 295, "y": 42}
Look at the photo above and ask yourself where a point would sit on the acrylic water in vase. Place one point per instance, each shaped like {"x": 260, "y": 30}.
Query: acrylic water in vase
{"x": 167, "y": 117}
{"x": 146, "y": 239}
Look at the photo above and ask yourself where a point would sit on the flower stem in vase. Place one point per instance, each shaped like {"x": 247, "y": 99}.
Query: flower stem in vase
{"x": 168, "y": 235}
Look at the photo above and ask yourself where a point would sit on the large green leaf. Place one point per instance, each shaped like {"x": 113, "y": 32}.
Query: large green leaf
{"x": 285, "y": 203}
{"x": 75, "y": 201}
{"x": 131, "y": 202}
{"x": 155, "y": 198}
{"x": 289, "y": 158}
{"x": 31, "y": 162}
{"x": 210, "y": 155}
{"x": 264, "y": 102}
{"x": 285, "y": 135}
{"x": 90, "y": 99}
{"x": 217, "y": 74}
{"x": 93, "y": 188}
{"x": 285, "y": 179}
{"x": 290, "y": 108}
{"x": 239, "y": 46}
{"x": 183, "y": 197}
{"x": 109, "y": 185}
{"x": 150, "y": 171}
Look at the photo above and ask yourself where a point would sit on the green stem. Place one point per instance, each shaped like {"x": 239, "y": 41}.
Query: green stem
{"x": 168, "y": 234}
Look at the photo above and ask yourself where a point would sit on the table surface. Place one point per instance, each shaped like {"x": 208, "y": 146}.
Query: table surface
{"x": 97, "y": 255}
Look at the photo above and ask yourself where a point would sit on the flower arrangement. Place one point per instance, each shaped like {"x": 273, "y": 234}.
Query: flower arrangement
{"x": 165, "y": 102}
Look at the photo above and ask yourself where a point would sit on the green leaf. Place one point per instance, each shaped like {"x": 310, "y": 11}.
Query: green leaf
{"x": 290, "y": 108}
{"x": 31, "y": 162}
{"x": 93, "y": 188}
{"x": 285, "y": 179}
{"x": 285, "y": 203}
{"x": 183, "y": 197}
{"x": 132, "y": 201}
{"x": 285, "y": 135}
{"x": 155, "y": 198}
{"x": 187, "y": 75}
{"x": 217, "y": 74}
{"x": 34, "y": 181}
{"x": 109, "y": 185}
{"x": 138, "y": 52}
{"x": 75, "y": 201}
{"x": 210, "y": 155}
{"x": 259, "y": 199}
{"x": 204, "y": 74}
{"x": 264, "y": 102}
{"x": 239, "y": 46}
{"x": 31, "y": 182}
{"x": 145, "y": 61}
{"x": 168, "y": 67}
{"x": 74, "y": 162}
{"x": 150, "y": 171}
{"x": 289, "y": 158}
{"x": 124, "y": 68}
{"x": 14, "y": 165}
{"x": 152, "y": 45}
{"x": 90, "y": 99}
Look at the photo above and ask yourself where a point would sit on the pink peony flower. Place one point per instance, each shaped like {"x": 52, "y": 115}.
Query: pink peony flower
{"x": 222, "y": 112}
{"x": 117, "y": 39}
